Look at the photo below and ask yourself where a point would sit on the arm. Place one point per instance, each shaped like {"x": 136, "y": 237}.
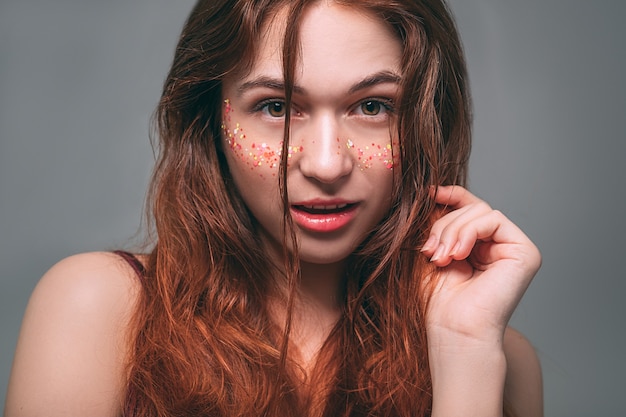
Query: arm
{"x": 71, "y": 352}
{"x": 524, "y": 383}
{"x": 485, "y": 263}
{"x": 480, "y": 381}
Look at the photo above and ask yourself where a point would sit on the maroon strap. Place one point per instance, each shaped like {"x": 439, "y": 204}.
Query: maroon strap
{"x": 132, "y": 261}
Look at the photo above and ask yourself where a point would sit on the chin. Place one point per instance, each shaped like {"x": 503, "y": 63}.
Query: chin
{"x": 322, "y": 259}
{"x": 324, "y": 254}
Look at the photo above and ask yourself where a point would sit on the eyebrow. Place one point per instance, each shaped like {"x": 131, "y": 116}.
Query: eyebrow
{"x": 266, "y": 82}
{"x": 382, "y": 77}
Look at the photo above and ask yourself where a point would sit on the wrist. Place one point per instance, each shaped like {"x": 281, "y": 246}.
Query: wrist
{"x": 452, "y": 342}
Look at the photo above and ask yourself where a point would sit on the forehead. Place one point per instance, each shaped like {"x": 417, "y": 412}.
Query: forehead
{"x": 333, "y": 40}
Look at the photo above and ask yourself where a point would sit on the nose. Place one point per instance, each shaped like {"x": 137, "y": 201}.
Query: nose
{"x": 325, "y": 156}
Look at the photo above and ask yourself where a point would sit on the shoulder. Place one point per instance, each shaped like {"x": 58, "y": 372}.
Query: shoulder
{"x": 72, "y": 347}
{"x": 87, "y": 278}
{"x": 523, "y": 386}
{"x": 98, "y": 286}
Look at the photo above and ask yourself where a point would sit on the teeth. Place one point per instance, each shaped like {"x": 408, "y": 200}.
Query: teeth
{"x": 331, "y": 207}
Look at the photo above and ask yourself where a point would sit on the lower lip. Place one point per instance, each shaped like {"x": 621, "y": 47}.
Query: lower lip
{"x": 323, "y": 223}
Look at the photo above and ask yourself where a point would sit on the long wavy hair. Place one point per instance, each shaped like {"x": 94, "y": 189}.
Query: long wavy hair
{"x": 204, "y": 341}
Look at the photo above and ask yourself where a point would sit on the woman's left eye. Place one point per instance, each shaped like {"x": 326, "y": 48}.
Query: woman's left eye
{"x": 373, "y": 107}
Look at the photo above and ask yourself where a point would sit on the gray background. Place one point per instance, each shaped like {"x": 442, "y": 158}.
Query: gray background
{"x": 80, "y": 78}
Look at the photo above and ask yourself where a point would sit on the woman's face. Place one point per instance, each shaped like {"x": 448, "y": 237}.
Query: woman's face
{"x": 340, "y": 159}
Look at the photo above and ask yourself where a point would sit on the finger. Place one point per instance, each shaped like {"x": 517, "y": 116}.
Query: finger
{"x": 453, "y": 196}
{"x": 459, "y": 238}
{"x": 437, "y": 228}
{"x": 444, "y": 233}
{"x": 487, "y": 253}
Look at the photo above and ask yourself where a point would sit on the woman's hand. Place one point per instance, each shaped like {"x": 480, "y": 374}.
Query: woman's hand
{"x": 486, "y": 264}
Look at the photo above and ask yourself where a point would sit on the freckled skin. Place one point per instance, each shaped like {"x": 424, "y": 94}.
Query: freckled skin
{"x": 374, "y": 153}
{"x": 261, "y": 154}
{"x": 254, "y": 154}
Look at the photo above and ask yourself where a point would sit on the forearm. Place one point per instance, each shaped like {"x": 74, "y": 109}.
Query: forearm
{"x": 467, "y": 381}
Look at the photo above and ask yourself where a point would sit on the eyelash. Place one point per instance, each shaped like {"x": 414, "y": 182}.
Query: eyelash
{"x": 263, "y": 106}
{"x": 386, "y": 104}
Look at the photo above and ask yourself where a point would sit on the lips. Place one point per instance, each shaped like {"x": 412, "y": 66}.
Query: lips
{"x": 323, "y": 217}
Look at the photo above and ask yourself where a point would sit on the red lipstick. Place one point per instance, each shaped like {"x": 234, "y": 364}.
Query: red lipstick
{"x": 323, "y": 216}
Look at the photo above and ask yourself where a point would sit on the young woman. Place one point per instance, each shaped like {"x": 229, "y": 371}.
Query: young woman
{"x": 317, "y": 253}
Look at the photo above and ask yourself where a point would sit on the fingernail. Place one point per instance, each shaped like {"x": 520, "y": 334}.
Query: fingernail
{"x": 456, "y": 248}
{"x": 438, "y": 253}
{"x": 430, "y": 244}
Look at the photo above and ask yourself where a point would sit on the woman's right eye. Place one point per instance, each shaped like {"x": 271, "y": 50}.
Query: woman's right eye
{"x": 272, "y": 108}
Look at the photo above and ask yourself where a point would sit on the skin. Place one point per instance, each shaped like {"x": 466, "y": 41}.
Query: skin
{"x": 72, "y": 347}
{"x": 486, "y": 263}
{"x": 346, "y": 83}
{"x": 334, "y": 115}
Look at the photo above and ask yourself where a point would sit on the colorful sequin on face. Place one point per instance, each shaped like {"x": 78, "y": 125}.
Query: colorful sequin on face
{"x": 372, "y": 154}
{"x": 254, "y": 154}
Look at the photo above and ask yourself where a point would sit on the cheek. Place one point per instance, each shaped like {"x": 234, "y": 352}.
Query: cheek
{"x": 245, "y": 151}
{"x": 249, "y": 150}
{"x": 374, "y": 154}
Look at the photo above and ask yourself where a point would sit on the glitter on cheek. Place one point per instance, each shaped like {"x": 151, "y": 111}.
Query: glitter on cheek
{"x": 373, "y": 154}
{"x": 253, "y": 154}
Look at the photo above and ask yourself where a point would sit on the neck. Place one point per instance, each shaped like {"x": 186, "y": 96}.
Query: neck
{"x": 318, "y": 295}
{"x": 321, "y": 285}
{"x": 317, "y": 308}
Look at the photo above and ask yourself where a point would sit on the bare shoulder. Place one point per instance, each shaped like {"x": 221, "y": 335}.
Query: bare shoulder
{"x": 71, "y": 352}
{"x": 524, "y": 386}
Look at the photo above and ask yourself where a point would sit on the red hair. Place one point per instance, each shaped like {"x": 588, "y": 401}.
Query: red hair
{"x": 205, "y": 343}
